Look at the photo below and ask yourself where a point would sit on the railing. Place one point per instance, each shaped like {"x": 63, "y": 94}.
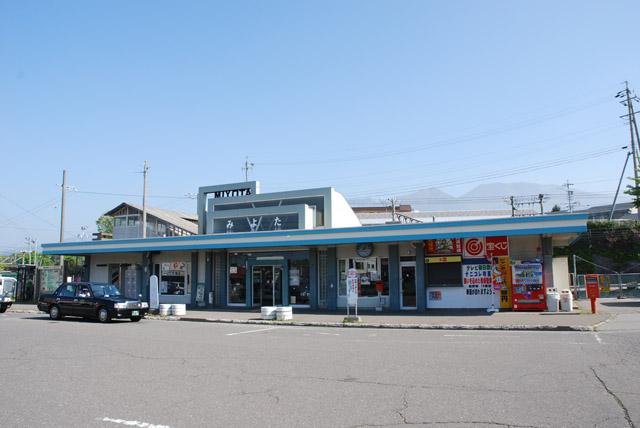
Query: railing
{"x": 628, "y": 285}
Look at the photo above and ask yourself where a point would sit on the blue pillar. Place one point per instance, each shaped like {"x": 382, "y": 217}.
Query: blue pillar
{"x": 394, "y": 277}
{"x": 208, "y": 275}
{"x": 147, "y": 271}
{"x": 313, "y": 278}
{"x": 86, "y": 271}
{"x": 221, "y": 278}
{"x": 421, "y": 295}
{"x": 248, "y": 286}
{"x": 332, "y": 279}
{"x": 194, "y": 279}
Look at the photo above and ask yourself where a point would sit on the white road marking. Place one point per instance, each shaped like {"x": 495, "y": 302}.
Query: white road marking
{"x": 251, "y": 331}
{"x": 597, "y": 336}
{"x": 480, "y": 335}
{"x": 329, "y": 334}
{"x": 133, "y": 423}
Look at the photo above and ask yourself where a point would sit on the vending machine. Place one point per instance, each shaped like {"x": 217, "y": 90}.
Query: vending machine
{"x": 528, "y": 290}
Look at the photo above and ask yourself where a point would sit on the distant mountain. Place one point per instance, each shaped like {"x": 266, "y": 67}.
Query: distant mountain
{"x": 492, "y": 196}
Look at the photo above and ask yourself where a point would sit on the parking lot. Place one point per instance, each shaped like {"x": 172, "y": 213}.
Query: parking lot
{"x": 177, "y": 374}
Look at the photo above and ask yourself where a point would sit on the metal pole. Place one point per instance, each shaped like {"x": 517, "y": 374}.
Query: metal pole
{"x": 631, "y": 133}
{"x": 144, "y": 200}
{"x": 575, "y": 278}
{"x": 620, "y": 296}
{"x": 613, "y": 207}
{"x": 62, "y": 206}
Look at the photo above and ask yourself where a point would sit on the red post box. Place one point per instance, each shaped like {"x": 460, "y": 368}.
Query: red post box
{"x": 593, "y": 289}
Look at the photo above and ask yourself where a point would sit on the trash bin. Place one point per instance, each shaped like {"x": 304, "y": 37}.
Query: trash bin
{"x": 566, "y": 301}
{"x": 284, "y": 313}
{"x": 268, "y": 312}
{"x": 553, "y": 300}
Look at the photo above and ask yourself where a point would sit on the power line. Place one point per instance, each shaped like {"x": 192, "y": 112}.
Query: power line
{"x": 445, "y": 142}
{"x": 498, "y": 174}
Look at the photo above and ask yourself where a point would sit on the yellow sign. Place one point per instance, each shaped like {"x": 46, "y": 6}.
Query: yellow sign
{"x": 443, "y": 259}
{"x": 501, "y": 273}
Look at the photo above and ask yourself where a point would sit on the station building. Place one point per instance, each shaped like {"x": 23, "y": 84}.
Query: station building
{"x": 296, "y": 248}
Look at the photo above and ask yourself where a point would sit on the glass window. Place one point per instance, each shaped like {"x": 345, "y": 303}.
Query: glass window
{"x": 105, "y": 290}
{"x": 299, "y": 282}
{"x": 342, "y": 268}
{"x": 120, "y": 221}
{"x": 444, "y": 275}
{"x": 237, "y": 272}
{"x": 373, "y": 273}
{"x": 132, "y": 220}
{"x": 67, "y": 290}
{"x": 175, "y": 278}
{"x": 162, "y": 229}
{"x": 84, "y": 291}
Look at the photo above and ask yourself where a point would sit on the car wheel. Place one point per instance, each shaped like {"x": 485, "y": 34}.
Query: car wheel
{"x": 54, "y": 312}
{"x": 103, "y": 315}
{"x": 3, "y": 309}
{"x": 135, "y": 319}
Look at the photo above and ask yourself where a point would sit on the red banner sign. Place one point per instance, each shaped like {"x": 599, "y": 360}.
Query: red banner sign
{"x": 496, "y": 246}
{"x": 444, "y": 246}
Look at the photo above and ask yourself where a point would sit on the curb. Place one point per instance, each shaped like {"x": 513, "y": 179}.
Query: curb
{"x": 385, "y": 326}
{"x": 511, "y": 327}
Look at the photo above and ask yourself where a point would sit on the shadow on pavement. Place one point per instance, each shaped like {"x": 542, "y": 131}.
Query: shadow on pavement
{"x": 622, "y": 304}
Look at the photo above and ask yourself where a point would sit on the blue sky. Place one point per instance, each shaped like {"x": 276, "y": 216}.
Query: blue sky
{"x": 374, "y": 98}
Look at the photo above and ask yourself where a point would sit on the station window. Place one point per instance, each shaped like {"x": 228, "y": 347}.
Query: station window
{"x": 175, "y": 278}
{"x": 372, "y": 271}
{"x": 444, "y": 275}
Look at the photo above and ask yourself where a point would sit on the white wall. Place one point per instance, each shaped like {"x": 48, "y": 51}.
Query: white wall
{"x": 341, "y": 213}
{"x": 561, "y": 273}
{"x": 456, "y": 297}
{"x": 526, "y": 247}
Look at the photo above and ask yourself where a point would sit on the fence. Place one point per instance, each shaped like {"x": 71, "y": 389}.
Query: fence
{"x": 609, "y": 286}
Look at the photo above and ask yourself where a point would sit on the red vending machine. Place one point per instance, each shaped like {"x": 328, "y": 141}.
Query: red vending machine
{"x": 528, "y": 290}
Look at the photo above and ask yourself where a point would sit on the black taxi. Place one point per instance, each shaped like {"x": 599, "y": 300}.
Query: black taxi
{"x": 91, "y": 300}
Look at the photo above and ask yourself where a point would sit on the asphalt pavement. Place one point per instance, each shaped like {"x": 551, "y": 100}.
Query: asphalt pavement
{"x": 75, "y": 373}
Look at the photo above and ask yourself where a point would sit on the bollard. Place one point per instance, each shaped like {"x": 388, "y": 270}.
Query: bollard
{"x": 593, "y": 305}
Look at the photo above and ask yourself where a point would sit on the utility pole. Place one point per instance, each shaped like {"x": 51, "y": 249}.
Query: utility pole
{"x": 627, "y": 100}
{"x": 248, "y": 166}
{"x": 145, "y": 171}
{"x": 615, "y": 198}
{"x": 393, "y": 200}
{"x": 541, "y": 202}
{"x": 570, "y": 202}
{"x": 64, "y": 194}
{"x": 512, "y": 201}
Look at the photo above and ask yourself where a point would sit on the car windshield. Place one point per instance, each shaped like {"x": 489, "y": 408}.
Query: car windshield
{"x": 104, "y": 290}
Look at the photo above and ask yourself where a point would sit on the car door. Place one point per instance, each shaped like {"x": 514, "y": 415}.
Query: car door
{"x": 64, "y": 298}
{"x": 83, "y": 303}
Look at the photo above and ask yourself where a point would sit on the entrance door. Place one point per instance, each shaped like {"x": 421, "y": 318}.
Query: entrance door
{"x": 267, "y": 285}
{"x": 408, "y": 285}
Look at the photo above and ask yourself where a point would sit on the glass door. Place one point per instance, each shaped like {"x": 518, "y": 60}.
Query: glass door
{"x": 267, "y": 285}
{"x": 408, "y": 285}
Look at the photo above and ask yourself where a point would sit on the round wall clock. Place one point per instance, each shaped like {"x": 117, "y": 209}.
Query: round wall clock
{"x": 364, "y": 250}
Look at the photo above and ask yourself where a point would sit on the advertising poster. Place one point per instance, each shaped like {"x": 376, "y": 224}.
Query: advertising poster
{"x": 501, "y": 275}
{"x": 352, "y": 287}
{"x": 444, "y": 246}
{"x": 496, "y": 246}
{"x": 477, "y": 280}
{"x": 527, "y": 274}
{"x": 474, "y": 248}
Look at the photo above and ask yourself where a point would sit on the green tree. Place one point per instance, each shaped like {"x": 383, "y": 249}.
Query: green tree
{"x": 619, "y": 242}
{"x": 105, "y": 224}
{"x": 634, "y": 190}
{"x": 555, "y": 209}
